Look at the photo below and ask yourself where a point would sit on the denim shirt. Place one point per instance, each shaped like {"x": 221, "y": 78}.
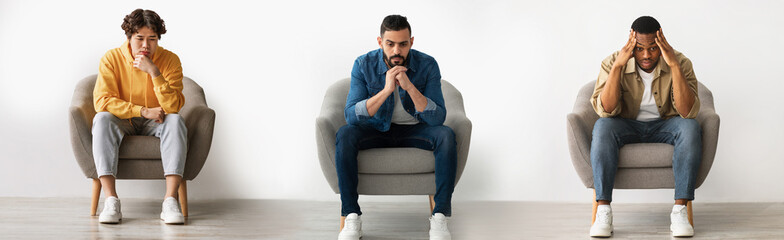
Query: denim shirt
{"x": 368, "y": 78}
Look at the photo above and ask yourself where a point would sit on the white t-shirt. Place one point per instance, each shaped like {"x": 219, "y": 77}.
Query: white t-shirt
{"x": 649, "y": 111}
{"x": 399, "y": 114}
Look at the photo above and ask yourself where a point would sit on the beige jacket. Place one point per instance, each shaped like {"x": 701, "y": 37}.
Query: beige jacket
{"x": 632, "y": 88}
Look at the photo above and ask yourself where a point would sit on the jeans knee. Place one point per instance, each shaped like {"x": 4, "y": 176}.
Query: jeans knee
{"x": 103, "y": 117}
{"x": 103, "y": 121}
{"x": 689, "y": 129}
{"x": 603, "y": 128}
{"x": 444, "y": 134}
{"x": 175, "y": 121}
{"x": 348, "y": 134}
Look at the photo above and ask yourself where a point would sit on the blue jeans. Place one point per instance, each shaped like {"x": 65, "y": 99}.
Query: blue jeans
{"x": 439, "y": 139}
{"x": 610, "y": 134}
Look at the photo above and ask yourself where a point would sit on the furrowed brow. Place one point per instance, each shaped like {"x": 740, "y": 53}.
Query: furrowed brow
{"x": 390, "y": 41}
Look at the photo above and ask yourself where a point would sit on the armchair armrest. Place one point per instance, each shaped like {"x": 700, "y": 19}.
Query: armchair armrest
{"x": 579, "y": 138}
{"x": 80, "y": 118}
{"x": 462, "y": 127}
{"x": 327, "y": 126}
{"x": 709, "y": 122}
{"x": 200, "y": 122}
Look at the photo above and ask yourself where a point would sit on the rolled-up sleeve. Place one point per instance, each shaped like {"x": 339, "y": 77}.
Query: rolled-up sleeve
{"x": 360, "y": 109}
{"x": 691, "y": 80}
{"x": 431, "y": 105}
{"x": 434, "y": 113}
{"x": 596, "y": 99}
{"x": 355, "y": 111}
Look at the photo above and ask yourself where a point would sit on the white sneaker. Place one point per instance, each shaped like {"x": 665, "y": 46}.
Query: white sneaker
{"x": 111, "y": 211}
{"x": 352, "y": 228}
{"x": 680, "y": 225}
{"x": 438, "y": 227}
{"x": 602, "y": 226}
{"x": 170, "y": 213}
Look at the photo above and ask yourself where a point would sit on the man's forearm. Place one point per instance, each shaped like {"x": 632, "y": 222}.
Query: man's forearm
{"x": 612, "y": 90}
{"x": 420, "y": 101}
{"x": 684, "y": 97}
{"x": 375, "y": 102}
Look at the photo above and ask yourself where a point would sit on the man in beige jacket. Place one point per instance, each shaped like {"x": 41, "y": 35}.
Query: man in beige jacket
{"x": 646, "y": 93}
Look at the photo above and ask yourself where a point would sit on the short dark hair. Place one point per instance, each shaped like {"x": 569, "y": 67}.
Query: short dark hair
{"x": 394, "y": 23}
{"x": 645, "y": 25}
{"x": 143, "y": 18}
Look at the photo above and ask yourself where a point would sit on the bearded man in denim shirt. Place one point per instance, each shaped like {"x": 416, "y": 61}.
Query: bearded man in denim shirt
{"x": 395, "y": 100}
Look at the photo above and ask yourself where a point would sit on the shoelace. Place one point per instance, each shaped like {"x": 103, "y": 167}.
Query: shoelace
{"x": 603, "y": 217}
{"x": 111, "y": 207}
{"x": 171, "y": 207}
{"x": 680, "y": 216}
{"x": 351, "y": 224}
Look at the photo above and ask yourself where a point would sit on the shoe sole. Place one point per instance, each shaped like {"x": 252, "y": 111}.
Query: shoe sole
{"x": 172, "y": 221}
{"x": 683, "y": 235}
{"x": 360, "y": 237}
{"x": 110, "y": 222}
{"x": 603, "y": 236}
{"x": 350, "y": 238}
{"x": 175, "y": 222}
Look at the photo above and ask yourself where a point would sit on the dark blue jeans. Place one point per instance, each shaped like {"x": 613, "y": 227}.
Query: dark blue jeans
{"x": 610, "y": 134}
{"x": 439, "y": 139}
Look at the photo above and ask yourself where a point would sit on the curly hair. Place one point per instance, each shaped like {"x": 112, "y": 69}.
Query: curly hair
{"x": 143, "y": 18}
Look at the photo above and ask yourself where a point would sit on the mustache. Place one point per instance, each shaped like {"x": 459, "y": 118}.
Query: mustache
{"x": 396, "y": 55}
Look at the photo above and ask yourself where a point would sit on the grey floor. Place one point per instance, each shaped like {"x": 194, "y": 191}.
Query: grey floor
{"x": 68, "y": 218}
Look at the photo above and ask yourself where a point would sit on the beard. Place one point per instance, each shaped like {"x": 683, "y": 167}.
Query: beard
{"x": 389, "y": 62}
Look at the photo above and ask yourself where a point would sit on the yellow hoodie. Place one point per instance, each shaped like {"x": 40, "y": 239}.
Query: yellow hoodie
{"x": 123, "y": 90}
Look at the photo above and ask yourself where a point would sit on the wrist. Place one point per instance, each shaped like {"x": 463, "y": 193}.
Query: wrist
{"x": 154, "y": 73}
{"x": 617, "y": 68}
{"x": 388, "y": 90}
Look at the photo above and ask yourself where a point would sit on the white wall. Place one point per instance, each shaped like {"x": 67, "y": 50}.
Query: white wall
{"x": 265, "y": 67}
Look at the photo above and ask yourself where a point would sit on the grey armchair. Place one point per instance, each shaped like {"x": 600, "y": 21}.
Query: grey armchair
{"x": 389, "y": 171}
{"x": 140, "y": 156}
{"x": 642, "y": 165}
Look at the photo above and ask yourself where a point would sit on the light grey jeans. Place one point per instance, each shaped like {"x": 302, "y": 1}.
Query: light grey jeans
{"x": 108, "y": 132}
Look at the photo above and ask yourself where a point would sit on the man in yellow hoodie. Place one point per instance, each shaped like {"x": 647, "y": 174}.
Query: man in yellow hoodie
{"x": 139, "y": 92}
